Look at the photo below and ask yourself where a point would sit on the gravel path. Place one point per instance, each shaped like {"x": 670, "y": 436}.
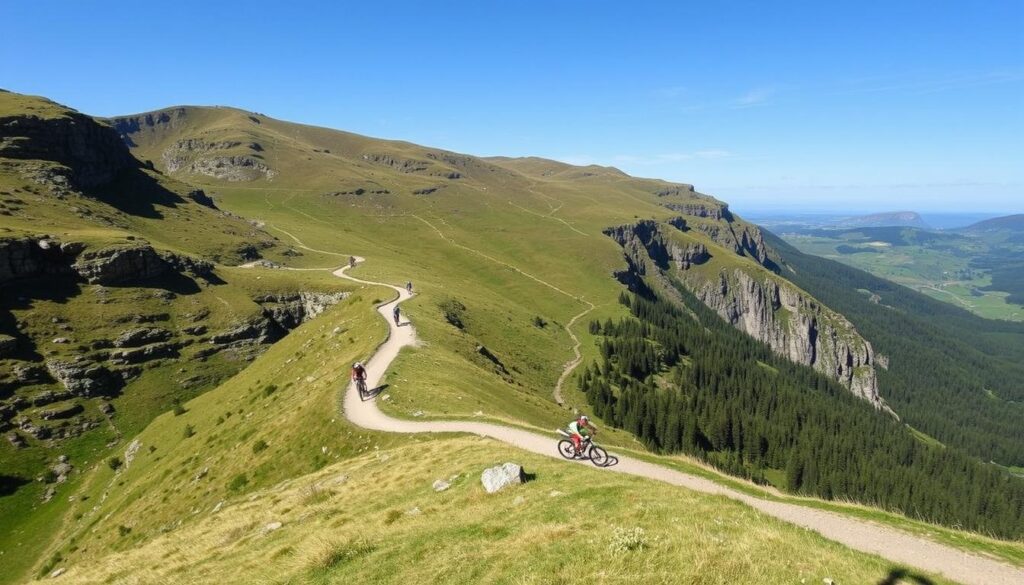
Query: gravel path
{"x": 889, "y": 543}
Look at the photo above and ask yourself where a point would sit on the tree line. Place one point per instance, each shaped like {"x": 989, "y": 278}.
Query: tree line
{"x": 683, "y": 380}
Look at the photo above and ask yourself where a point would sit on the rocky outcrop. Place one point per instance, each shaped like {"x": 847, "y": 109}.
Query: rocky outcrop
{"x": 200, "y": 197}
{"x": 755, "y": 301}
{"x": 742, "y": 238}
{"x": 794, "y": 325}
{"x": 34, "y": 257}
{"x": 289, "y": 310}
{"x": 144, "y": 354}
{"x": 84, "y": 378}
{"x": 233, "y": 168}
{"x": 141, "y": 336}
{"x": 44, "y": 256}
{"x": 120, "y": 264}
{"x": 684, "y": 189}
{"x": 92, "y": 153}
{"x": 718, "y": 211}
{"x": 229, "y": 160}
{"x": 128, "y": 126}
{"x": 644, "y": 240}
{"x": 259, "y": 330}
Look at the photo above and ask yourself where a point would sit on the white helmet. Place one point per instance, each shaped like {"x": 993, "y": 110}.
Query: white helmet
{"x": 357, "y": 365}
{"x": 584, "y": 418}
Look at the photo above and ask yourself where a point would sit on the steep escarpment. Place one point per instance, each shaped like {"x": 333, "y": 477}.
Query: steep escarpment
{"x": 87, "y": 153}
{"x": 236, "y": 159}
{"x": 795, "y": 325}
{"x": 747, "y": 295}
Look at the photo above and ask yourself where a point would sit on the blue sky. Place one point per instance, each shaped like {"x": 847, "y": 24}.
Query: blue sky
{"x": 811, "y": 106}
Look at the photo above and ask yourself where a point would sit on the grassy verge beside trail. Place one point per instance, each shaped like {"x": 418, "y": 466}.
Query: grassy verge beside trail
{"x": 376, "y": 518}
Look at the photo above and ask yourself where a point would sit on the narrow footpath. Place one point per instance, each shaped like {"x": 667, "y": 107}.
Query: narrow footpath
{"x": 889, "y": 543}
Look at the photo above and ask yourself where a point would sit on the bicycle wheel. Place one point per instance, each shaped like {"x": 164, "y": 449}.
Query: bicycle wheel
{"x": 598, "y": 456}
{"x": 566, "y": 449}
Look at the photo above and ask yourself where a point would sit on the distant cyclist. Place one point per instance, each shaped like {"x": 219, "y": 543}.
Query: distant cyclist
{"x": 397, "y": 313}
{"x": 359, "y": 376}
{"x": 408, "y": 287}
{"x": 351, "y": 261}
{"x": 578, "y": 429}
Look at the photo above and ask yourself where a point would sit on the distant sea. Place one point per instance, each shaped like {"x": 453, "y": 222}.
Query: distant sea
{"x": 775, "y": 220}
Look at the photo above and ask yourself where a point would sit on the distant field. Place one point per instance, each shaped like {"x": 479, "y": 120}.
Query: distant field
{"x": 946, "y": 266}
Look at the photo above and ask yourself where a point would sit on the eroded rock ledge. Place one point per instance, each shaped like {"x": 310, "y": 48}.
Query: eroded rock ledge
{"x": 756, "y": 301}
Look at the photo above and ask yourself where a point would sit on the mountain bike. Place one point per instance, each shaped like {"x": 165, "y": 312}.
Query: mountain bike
{"x": 361, "y": 387}
{"x": 588, "y": 450}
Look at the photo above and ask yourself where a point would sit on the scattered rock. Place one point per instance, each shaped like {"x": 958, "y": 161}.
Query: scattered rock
{"x": 66, "y": 411}
{"x": 57, "y": 572}
{"x": 30, "y": 374}
{"x": 141, "y": 336}
{"x": 16, "y": 440}
{"x": 200, "y": 197}
{"x": 218, "y": 507}
{"x": 131, "y": 451}
{"x": 272, "y": 527}
{"x": 441, "y": 485}
{"x": 414, "y": 512}
{"x": 61, "y": 340}
{"x": 203, "y": 473}
{"x": 501, "y": 476}
{"x": 84, "y": 378}
{"x": 49, "y": 494}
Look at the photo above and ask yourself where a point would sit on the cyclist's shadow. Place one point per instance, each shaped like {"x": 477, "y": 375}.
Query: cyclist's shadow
{"x": 372, "y": 392}
{"x": 610, "y": 461}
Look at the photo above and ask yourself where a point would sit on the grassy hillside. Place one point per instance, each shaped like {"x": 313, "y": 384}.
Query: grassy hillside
{"x": 504, "y": 254}
{"x": 362, "y": 520}
{"x": 71, "y": 194}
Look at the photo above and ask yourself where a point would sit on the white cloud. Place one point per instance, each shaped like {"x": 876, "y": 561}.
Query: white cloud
{"x": 758, "y": 95}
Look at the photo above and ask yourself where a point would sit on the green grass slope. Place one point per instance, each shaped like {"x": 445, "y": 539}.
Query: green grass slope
{"x": 504, "y": 253}
{"x": 375, "y": 518}
{"x": 67, "y": 180}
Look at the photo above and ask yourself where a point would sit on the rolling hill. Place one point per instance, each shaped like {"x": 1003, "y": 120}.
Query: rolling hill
{"x": 515, "y": 262}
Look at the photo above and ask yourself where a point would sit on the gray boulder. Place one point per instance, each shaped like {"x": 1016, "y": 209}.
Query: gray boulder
{"x": 501, "y": 476}
{"x": 83, "y": 378}
{"x": 141, "y": 336}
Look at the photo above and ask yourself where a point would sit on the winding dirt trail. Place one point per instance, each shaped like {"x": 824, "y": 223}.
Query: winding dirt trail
{"x": 894, "y": 545}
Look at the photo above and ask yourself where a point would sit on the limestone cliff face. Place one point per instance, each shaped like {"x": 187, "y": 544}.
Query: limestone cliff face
{"x": 754, "y": 300}
{"x": 92, "y": 153}
{"x": 795, "y": 325}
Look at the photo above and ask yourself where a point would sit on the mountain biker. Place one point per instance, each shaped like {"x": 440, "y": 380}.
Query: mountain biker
{"x": 578, "y": 429}
{"x": 408, "y": 287}
{"x": 396, "y": 312}
{"x": 359, "y": 375}
{"x": 351, "y": 261}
